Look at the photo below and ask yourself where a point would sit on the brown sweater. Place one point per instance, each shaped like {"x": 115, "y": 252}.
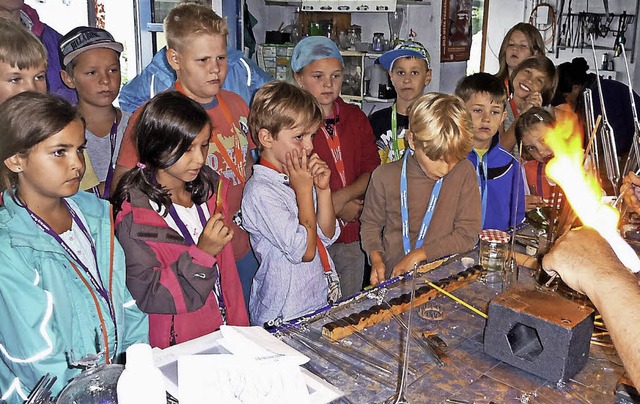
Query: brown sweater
{"x": 456, "y": 220}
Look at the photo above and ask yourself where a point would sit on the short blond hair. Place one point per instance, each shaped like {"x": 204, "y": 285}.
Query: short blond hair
{"x": 441, "y": 127}
{"x": 19, "y": 47}
{"x": 188, "y": 19}
{"x": 279, "y": 105}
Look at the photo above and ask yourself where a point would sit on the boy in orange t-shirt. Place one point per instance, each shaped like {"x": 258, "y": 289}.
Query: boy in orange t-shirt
{"x": 197, "y": 50}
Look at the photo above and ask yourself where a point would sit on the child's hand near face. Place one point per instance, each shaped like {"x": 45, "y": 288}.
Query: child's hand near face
{"x": 533, "y": 100}
{"x": 215, "y": 235}
{"x": 297, "y": 168}
{"x": 320, "y": 172}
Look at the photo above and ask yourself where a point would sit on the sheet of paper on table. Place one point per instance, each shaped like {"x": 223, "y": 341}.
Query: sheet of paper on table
{"x": 255, "y": 348}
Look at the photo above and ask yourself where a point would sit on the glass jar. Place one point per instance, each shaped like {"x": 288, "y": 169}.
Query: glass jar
{"x": 493, "y": 253}
{"x": 377, "y": 44}
{"x": 355, "y": 34}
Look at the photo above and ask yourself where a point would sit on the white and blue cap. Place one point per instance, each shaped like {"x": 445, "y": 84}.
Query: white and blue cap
{"x": 313, "y": 48}
{"x": 404, "y": 50}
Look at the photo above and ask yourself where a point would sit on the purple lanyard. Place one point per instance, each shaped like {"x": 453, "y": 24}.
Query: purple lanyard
{"x": 217, "y": 287}
{"x": 97, "y": 283}
{"x": 112, "y": 141}
{"x": 113, "y": 134}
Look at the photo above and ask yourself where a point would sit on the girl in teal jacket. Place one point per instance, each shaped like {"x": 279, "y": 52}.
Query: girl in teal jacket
{"x": 63, "y": 298}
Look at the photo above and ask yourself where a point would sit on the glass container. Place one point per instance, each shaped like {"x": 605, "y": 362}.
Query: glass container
{"x": 377, "y": 44}
{"x": 95, "y": 385}
{"x": 493, "y": 253}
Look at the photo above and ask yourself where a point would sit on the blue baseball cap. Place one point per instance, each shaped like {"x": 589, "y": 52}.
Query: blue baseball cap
{"x": 313, "y": 48}
{"x": 404, "y": 50}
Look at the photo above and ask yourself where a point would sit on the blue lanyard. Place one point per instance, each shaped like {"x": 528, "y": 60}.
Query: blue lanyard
{"x": 483, "y": 181}
{"x": 217, "y": 286}
{"x": 404, "y": 209}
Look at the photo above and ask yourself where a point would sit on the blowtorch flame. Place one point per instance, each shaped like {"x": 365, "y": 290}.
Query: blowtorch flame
{"x": 582, "y": 190}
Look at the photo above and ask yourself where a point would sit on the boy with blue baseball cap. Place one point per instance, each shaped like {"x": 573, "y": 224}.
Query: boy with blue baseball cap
{"x": 409, "y": 66}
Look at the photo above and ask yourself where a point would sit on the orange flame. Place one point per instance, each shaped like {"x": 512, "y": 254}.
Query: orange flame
{"x": 581, "y": 189}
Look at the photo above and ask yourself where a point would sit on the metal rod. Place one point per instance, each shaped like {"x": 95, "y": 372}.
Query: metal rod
{"x": 634, "y": 155}
{"x": 339, "y": 362}
{"x": 371, "y": 361}
{"x": 415, "y": 338}
{"x": 373, "y": 343}
{"x": 592, "y": 127}
{"x": 608, "y": 139}
{"x": 399, "y": 397}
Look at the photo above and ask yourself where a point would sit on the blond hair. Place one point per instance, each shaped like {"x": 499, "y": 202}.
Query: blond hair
{"x": 441, "y": 127}
{"x": 188, "y": 19}
{"x": 279, "y": 105}
{"x": 19, "y": 47}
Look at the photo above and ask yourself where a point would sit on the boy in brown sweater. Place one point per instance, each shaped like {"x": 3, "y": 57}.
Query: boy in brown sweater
{"x": 401, "y": 223}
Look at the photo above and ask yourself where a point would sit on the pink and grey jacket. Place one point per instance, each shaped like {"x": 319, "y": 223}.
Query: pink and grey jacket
{"x": 173, "y": 281}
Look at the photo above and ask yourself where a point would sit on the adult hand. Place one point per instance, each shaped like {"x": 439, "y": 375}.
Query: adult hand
{"x": 581, "y": 258}
{"x": 629, "y": 191}
{"x": 215, "y": 235}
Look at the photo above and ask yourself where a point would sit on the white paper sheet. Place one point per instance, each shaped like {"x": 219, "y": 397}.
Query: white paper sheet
{"x": 231, "y": 379}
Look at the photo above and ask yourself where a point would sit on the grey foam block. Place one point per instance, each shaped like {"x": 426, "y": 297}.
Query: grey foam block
{"x": 539, "y": 332}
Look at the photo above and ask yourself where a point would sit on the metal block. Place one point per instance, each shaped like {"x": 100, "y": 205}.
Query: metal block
{"x": 539, "y": 332}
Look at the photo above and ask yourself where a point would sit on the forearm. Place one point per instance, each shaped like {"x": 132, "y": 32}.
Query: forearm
{"x": 355, "y": 190}
{"x": 326, "y": 215}
{"x": 617, "y": 297}
{"x": 307, "y": 218}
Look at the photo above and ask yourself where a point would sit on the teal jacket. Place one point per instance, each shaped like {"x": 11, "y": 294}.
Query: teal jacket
{"x": 46, "y": 308}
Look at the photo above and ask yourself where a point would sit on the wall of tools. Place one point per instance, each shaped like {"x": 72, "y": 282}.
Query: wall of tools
{"x": 567, "y": 27}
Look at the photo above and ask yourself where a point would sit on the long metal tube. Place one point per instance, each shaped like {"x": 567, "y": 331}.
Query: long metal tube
{"x": 607, "y": 136}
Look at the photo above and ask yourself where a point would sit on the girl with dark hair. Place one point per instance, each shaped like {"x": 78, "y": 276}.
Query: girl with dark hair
{"x": 532, "y": 127}
{"x": 171, "y": 224}
{"x": 62, "y": 281}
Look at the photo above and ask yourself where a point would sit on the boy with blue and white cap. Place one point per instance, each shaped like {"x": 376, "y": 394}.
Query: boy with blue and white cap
{"x": 346, "y": 142}
{"x": 409, "y": 66}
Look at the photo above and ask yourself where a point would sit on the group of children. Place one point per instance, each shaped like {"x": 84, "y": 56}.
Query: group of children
{"x": 206, "y": 235}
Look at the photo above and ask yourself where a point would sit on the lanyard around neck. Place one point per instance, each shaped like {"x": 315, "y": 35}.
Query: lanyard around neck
{"x": 483, "y": 180}
{"x": 95, "y": 281}
{"x": 112, "y": 142}
{"x": 404, "y": 209}
{"x": 333, "y": 140}
{"x": 394, "y": 131}
{"x": 217, "y": 285}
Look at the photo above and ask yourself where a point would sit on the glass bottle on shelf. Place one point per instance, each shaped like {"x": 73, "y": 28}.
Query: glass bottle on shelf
{"x": 377, "y": 44}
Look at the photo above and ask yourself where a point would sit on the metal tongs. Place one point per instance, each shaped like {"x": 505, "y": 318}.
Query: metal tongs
{"x": 41, "y": 393}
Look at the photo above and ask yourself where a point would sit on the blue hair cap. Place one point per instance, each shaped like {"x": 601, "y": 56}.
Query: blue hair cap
{"x": 313, "y": 48}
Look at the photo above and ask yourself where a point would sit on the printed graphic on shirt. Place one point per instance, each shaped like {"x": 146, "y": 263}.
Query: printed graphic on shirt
{"x": 387, "y": 149}
{"x": 236, "y": 148}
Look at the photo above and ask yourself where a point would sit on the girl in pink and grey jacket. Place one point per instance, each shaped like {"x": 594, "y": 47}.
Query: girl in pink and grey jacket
{"x": 171, "y": 224}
